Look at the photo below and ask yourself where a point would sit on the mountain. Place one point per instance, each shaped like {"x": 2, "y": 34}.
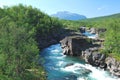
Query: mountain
{"x": 68, "y": 15}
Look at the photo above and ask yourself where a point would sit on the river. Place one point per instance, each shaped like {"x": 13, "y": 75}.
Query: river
{"x": 62, "y": 67}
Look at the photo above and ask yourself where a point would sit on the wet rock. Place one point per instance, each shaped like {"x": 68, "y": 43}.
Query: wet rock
{"x": 69, "y": 64}
{"x": 85, "y": 71}
{"x": 103, "y": 65}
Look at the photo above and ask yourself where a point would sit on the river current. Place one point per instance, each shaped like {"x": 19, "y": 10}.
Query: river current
{"x": 62, "y": 67}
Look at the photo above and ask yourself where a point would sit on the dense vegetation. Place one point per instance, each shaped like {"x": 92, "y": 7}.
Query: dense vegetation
{"x": 111, "y": 36}
{"x": 20, "y": 27}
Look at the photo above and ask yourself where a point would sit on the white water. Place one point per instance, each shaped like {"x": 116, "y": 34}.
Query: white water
{"x": 96, "y": 74}
{"x": 56, "y": 61}
{"x": 89, "y": 35}
{"x": 93, "y": 37}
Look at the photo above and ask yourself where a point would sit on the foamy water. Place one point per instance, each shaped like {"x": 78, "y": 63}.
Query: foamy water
{"x": 55, "y": 65}
{"x": 96, "y": 74}
{"x": 89, "y": 35}
{"x": 100, "y": 74}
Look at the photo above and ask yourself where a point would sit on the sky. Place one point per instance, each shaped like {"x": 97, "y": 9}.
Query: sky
{"x": 89, "y": 8}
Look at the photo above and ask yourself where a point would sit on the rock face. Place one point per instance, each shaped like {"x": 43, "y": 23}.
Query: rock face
{"x": 97, "y": 30}
{"x": 95, "y": 59}
{"x": 113, "y": 66}
{"x": 83, "y": 47}
{"x": 52, "y": 38}
{"x": 74, "y": 45}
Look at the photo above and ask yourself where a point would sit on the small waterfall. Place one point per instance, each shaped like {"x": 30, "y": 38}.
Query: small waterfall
{"x": 89, "y": 35}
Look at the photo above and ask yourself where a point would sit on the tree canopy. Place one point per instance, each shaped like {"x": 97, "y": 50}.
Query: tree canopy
{"x": 19, "y": 28}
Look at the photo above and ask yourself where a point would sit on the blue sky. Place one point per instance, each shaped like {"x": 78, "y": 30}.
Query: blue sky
{"x": 89, "y": 8}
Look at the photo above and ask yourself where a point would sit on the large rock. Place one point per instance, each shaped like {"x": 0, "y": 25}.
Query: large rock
{"x": 87, "y": 56}
{"x": 69, "y": 64}
{"x": 82, "y": 29}
{"x": 101, "y": 30}
{"x": 74, "y": 45}
{"x": 93, "y": 31}
{"x": 94, "y": 58}
{"x": 113, "y": 66}
{"x": 97, "y": 30}
{"x": 100, "y": 60}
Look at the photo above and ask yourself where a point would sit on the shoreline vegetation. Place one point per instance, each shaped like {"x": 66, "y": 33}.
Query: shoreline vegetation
{"x": 21, "y": 29}
{"x": 25, "y": 31}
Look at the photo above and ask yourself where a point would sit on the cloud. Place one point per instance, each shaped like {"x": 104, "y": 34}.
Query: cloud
{"x": 100, "y": 8}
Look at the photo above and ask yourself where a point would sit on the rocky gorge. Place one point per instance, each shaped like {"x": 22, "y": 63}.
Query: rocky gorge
{"x": 89, "y": 50}
{"x": 81, "y": 46}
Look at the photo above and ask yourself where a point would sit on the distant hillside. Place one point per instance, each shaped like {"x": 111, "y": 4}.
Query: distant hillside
{"x": 104, "y": 17}
{"x": 91, "y": 22}
{"x": 68, "y": 16}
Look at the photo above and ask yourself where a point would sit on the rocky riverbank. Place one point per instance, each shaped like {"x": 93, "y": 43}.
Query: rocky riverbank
{"x": 88, "y": 50}
{"x": 78, "y": 45}
{"x": 52, "y": 38}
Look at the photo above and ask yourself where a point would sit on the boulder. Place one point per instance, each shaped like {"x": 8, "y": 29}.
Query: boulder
{"x": 84, "y": 72}
{"x": 93, "y": 31}
{"x": 74, "y": 45}
{"x": 69, "y": 64}
{"x": 82, "y": 29}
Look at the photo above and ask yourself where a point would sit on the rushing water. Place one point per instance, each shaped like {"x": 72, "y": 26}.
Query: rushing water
{"x": 89, "y": 35}
{"x": 61, "y": 67}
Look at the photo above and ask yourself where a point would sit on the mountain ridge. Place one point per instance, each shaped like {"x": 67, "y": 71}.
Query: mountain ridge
{"x": 66, "y": 15}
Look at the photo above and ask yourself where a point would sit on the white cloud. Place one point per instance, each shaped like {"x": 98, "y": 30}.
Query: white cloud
{"x": 100, "y": 8}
